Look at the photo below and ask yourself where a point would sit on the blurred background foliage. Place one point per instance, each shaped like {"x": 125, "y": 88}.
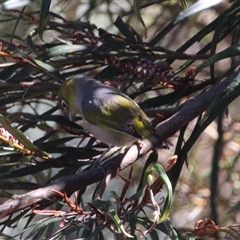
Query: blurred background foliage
{"x": 149, "y": 49}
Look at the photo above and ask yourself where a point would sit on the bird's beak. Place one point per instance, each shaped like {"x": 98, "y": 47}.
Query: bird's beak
{"x": 70, "y": 117}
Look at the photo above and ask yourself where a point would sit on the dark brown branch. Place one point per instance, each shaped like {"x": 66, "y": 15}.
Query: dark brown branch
{"x": 193, "y": 108}
{"x": 190, "y": 110}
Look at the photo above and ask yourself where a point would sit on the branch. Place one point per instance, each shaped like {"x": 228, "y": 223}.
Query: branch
{"x": 194, "y": 107}
{"x": 189, "y": 110}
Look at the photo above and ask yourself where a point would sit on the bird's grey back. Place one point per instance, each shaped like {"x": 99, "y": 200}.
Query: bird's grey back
{"x": 96, "y": 89}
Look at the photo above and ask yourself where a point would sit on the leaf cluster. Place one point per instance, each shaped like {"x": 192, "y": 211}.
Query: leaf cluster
{"x": 38, "y": 175}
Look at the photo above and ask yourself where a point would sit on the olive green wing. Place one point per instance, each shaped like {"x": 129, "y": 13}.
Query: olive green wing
{"x": 111, "y": 110}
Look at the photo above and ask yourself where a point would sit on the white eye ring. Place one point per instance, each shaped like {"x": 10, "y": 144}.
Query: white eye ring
{"x": 64, "y": 105}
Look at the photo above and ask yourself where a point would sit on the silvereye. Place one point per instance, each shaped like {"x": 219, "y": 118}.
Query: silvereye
{"x": 108, "y": 114}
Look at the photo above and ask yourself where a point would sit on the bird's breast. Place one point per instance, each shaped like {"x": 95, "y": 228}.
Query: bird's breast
{"x": 110, "y": 137}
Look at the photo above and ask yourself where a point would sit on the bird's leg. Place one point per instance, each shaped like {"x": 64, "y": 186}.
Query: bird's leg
{"x": 99, "y": 159}
{"x": 140, "y": 144}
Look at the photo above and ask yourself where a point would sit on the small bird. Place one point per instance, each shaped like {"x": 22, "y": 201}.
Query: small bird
{"x": 108, "y": 114}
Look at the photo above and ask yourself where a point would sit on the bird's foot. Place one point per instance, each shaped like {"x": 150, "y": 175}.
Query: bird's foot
{"x": 140, "y": 144}
{"x": 98, "y": 161}
{"x": 166, "y": 144}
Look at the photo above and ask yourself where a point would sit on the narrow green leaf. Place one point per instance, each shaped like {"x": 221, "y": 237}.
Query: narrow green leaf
{"x": 43, "y": 16}
{"x": 152, "y": 158}
{"x": 97, "y": 232}
{"x": 138, "y": 14}
{"x": 226, "y": 53}
{"x": 189, "y": 236}
{"x": 195, "y": 8}
{"x": 42, "y": 224}
{"x": 11, "y": 4}
{"x": 6, "y": 237}
{"x": 147, "y": 179}
{"x": 235, "y": 208}
{"x": 26, "y": 171}
{"x": 29, "y": 42}
{"x": 132, "y": 219}
{"x": 184, "y": 3}
{"x": 101, "y": 204}
{"x": 126, "y": 30}
{"x": 17, "y": 22}
{"x": 45, "y": 66}
{"x": 167, "y": 228}
{"x": 63, "y": 49}
{"x": 8, "y": 151}
{"x": 162, "y": 174}
{"x": 154, "y": 234}
{"x": 117, "y": 222}
{"x": 22, "y": 138}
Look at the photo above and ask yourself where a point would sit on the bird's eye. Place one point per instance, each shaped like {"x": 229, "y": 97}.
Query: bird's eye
{"x": 64, "y": 105}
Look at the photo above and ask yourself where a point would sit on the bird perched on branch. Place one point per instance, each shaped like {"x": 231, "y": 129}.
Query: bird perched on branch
{"x": 108, "y": 114}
